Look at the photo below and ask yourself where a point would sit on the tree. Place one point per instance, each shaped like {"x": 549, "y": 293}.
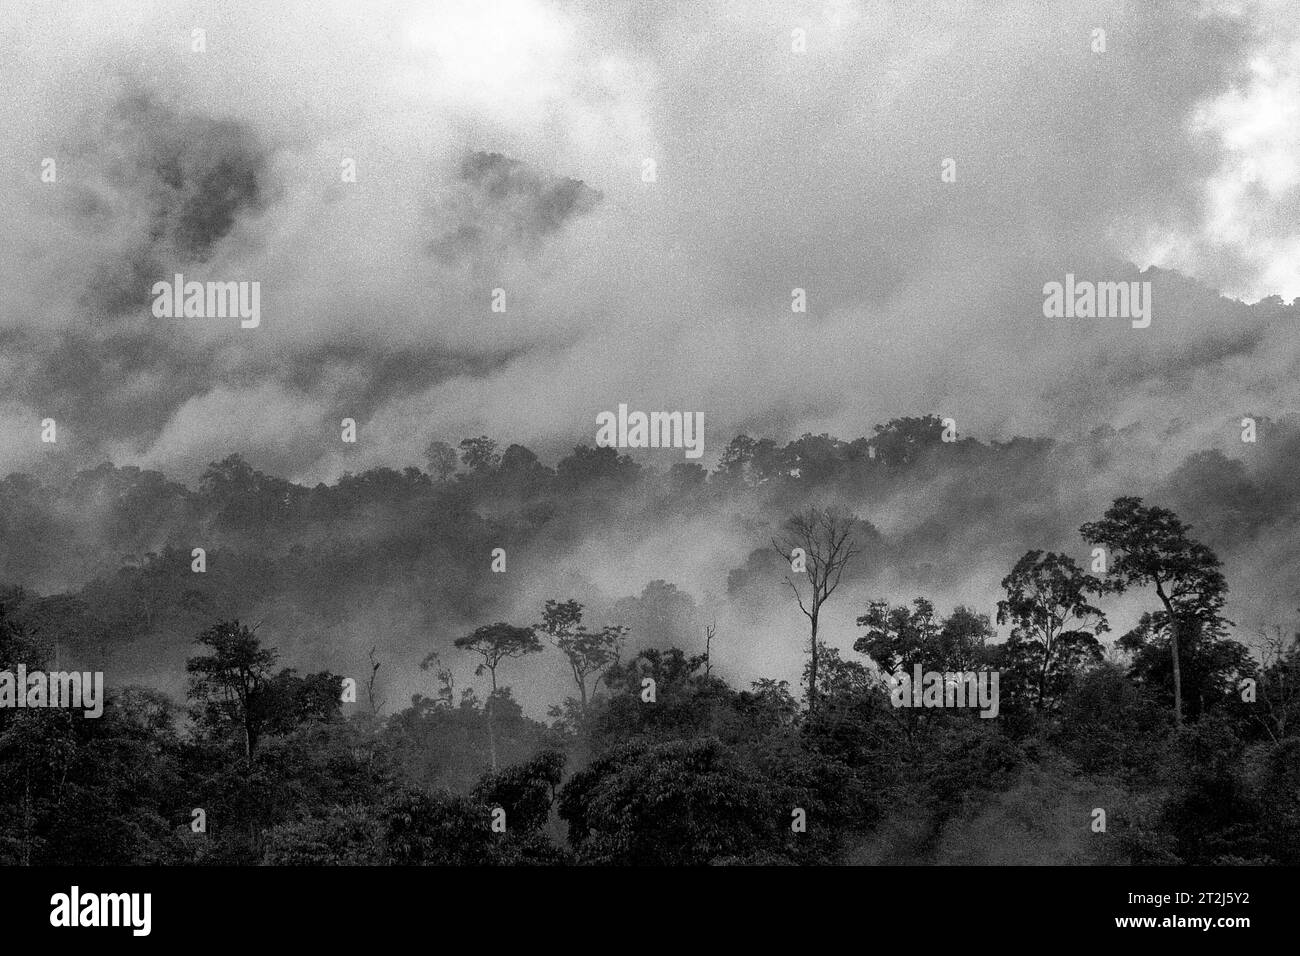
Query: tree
{"x": 710, "y": 630}
{"x": 825, "y": 536}
{"x": 661, "y": 614}
{"x": 1279, "y": 682}
{"x": 1054, "y": 628}
{"x": 1211, "y": 666}
{"x": 525, "y": 791}
{"x": 838, "y": 678}
{"x": 903, "y": 441}
{"x": 446, "y": 679}
{"x": 1151, "y": 546}
{"x": 748, "y": 461}
{"x": 243, "y": 499}
{"x": 962, "y": 642}
{"x": 814, "y": 458}
{"x": 589, "y": 465}
{"x": 16, "y": 644}
{"x": 423, "y": 828}
{"x": 522, "y": 466}
{"x": 375, "y": 664}
{"x": 287, "y": 701}
{"x": 479, "y": 454}
{"x": 225, "y": 682}
{"x": 685, "y": 700}
{"x": 898, "y": 639}
{"x": 738, "y": 453}
{"x": 496, "y": 643}
{"x": 442, "y": 459}
{"x": 588, "y": 652}
{"x": 683, "y": 803}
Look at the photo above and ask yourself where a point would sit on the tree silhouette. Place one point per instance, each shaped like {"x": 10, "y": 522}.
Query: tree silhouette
{"x": 1151, "y": 546}
{"x": 1054, "y": 628}
{"x": 588, "y": 652}
{"x": 442, "y": 459}
{"x": 479, "y": 454}
{"x": 496, "y": 643}
{"x": 225, "y": 682}
{"x": 825, "y": 535}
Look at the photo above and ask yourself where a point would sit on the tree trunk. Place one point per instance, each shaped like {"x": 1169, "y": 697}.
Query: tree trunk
{"x": 1042, "y": 671}
{"x": 812, "y": 670}
{"x": 492, "y": 736}
{"x": 27, "y": 812}
{"x": 1178, "y": 674}
{"x": 1174, "y": 627}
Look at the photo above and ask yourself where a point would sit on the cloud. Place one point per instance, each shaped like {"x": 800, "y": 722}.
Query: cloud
{"x": 507, "y": 202}
{"x": 503, "y": 147}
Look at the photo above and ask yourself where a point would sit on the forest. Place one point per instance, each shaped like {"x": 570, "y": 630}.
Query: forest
{"x": 251, "y": 714}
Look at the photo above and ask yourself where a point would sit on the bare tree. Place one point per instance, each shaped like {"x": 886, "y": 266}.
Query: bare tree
{"x": 370, "y": 684}
{"x": 819, "y": 543}
{"x": 446, "y": 679}
{"x": 1279, "y": 690}
{"x": 709, "y": 631}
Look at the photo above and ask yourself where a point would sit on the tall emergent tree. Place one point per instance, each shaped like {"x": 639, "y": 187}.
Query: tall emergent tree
{"x": 226, "y": 682}
{"x": 818, "y": 543}
{"x": 1152, "y": 546}
{"x": 495, "y": 643}
{"x": 1054, "y": 628}
{"x": 589, "y": 653}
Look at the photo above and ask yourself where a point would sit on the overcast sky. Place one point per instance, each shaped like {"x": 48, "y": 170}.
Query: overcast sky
{"x": 1174, "y": 148}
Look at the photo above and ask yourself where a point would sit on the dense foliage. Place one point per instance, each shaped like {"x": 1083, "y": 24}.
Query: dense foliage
{"x": 655, "y": 759}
